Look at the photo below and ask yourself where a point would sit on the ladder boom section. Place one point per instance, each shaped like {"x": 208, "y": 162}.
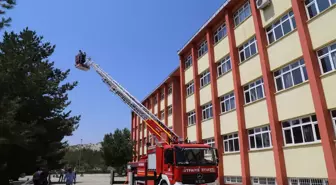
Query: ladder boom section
{"x": 155, "y": 126}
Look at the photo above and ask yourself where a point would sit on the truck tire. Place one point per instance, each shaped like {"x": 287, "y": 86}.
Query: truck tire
{"x": 163, "y": 182}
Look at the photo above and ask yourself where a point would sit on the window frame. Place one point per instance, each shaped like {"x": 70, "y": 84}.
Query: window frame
{"x": 205, "y": 78}
{"x": 202, "y": 49}
{"x": 205, "y": 108}
{"x": 238, "y": 180}
{"x": 211, "y": 142}
{"x": 333, "y": 118}
{"x": 191, "y": 116}
{"x": 227, "y": 98}
{"x": 256, "y": 181}
{"x": 240, "y": 11}
{"x": 162, "y": 95}
{"x": 226, "y": 140}
{"x": 279, "y": 23}
{"x": 329, "y": 55}
{"x": 188, "y": 62}
{"x": 318, "y": 11}
{"x": 301, "y": 124}
{"x": 247, "y": 45}
{"x": 254, "y": 87}
{"x": 224, "y": 66}
{"x": 169, "y": 110}
{"x": 220, "y": 33}
{"x": 288, "y": 69}
{"x": 162, "y": 114}
{"x": 170, "y": 89}
{"x": 259, "y": 131}
{"x": 190, "y": 88}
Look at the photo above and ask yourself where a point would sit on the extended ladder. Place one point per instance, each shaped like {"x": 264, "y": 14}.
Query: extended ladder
{"x": 156, "y": 127}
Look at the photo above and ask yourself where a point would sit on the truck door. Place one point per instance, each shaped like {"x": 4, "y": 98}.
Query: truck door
{"x": 168, "y": 166}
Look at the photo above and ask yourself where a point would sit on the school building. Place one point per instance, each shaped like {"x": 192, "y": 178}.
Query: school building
{"x": 257, "y": 81}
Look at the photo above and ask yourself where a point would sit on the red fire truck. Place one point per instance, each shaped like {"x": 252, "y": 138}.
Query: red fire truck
{"x": 172, "y": 160}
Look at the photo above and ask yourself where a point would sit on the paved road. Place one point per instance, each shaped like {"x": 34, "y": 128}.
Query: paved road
{"x": 88, "y": 179}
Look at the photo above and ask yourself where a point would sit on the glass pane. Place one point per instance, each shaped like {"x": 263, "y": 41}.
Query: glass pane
{"x": 266, "y": 140}
{"x": 323, "y": 51}
{"x": 242, "y": 56}
{"x": 297, "y": 133}
{"x": 333, "y": 58}
{"x": 305, "y": 74}
{"x": 333, "y": 113}
{"x": 285, "y": 124}
{"x": 247, "y": 52}
{"x": 236, "y": 145}
{"x": 322, "y": 4}
{"x": 293, "y": 22}
{"x": 232, "y": 102}
{"x": 252, "y": 145}
{"x": 270, "y": 37}
{"x": 231, "y": 145}
{"x": 333, "y": 1}
{"x": 288, "y": 137}
{"x": 259, "y": 141}
{"x": 253, "y": 95}
{"x": 260, "y": 93}
{"x": 326, "y": 64}
{"x": 227, "y": 105}
{"x": 247, "y": 97}
{"x": 253, "y": 49}
{"x": 308, "y": 133}
{"x": 278, "y": 32}
{"x": 312, "y": 11}
{"x": 279, "y": 84}
{"x": 286, "y": 26}
{"x": 226, "y": 148}
{"x": 247, "y": 11}
{"x": 287, "y": 80}
{"x": 317, "y": 132}
{"x": 297, "y": 77}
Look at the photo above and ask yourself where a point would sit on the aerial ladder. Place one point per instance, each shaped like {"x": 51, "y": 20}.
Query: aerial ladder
{"x": 157, "y": 127}
{"x": 172, "y": 160}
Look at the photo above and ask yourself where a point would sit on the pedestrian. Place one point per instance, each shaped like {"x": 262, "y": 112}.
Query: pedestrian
{"x": 69, "y": 177}
{"x": 60, "y": 179}
{"x": 37, "y": 177}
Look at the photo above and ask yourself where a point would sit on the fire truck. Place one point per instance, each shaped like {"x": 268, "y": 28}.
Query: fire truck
{"x": 172, "y": 160}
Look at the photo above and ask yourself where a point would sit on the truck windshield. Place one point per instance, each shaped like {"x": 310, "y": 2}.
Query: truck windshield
{"x": 195, "y": 156}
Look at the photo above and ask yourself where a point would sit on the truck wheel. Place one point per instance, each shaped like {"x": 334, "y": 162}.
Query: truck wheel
{"x": 163, "y": 183}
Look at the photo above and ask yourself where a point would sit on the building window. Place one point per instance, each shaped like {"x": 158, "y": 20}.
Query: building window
{"x": 220, "y": 33}
{"x": 227, "y": 102}
{"x": 205, "y": 78}
{"x": 254, "y": 91}
{"x": 191, "y": 118}
{"x": 190, "y": 88}
{"x": 162, "y": 114}
{"x": 170, "y": 110}
{"x": 188, "y": 62}
{"x": 155, "y": 101}
{"x": 242, "y": 13}
{"x": 231, "y": 143}
{"x": 263, "y": 181}
{"x": 223, "y": 66}
{"x": 203, "y": 49}
{"x": 162, "y": 95}
{"x": 210, "y": 142}
{"x": 315, "y": 7}
{"x": 170, "y": 89}
{"x": 207, "y": 111}
{"x": 248, "y": 49}
{"x": 333, "y": 116}
{"x": 327, "y": 58}
{"x": 232, "y": 180}
{"x": 307, "y": 181}
{"x": 260, "y": 137}
{"x": 281, "y": 27}
{"x": 301, "y": 130}
{"x": 290, "y": 75}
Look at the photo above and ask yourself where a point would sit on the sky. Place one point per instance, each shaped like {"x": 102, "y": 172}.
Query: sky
{"x": 135, "y": 41}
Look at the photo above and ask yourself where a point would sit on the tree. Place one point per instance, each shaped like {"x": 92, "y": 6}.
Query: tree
{"x": 117, "y": 149}
{"x": 6, "y": 5}
{"x": 33, "y": 100}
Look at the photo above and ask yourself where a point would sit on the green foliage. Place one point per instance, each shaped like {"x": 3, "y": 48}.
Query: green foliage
{"x": 33, "y": 99}
{"x": 6, "y": 5}
{"x": 86, "y": 160}
{"x": 117, "y": 149}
